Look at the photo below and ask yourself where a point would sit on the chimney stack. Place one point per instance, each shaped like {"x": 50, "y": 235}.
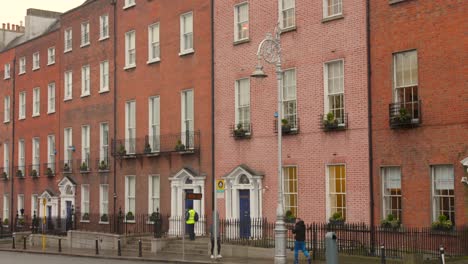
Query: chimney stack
{"x": 8, "y": 26}
{"x": 3, "y": 26}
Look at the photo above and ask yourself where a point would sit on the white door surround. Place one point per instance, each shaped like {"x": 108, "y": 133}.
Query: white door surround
{"x": 67, "y": 189}
{"x": 186, "y": 179}
{"x": 51, "y": 200}
{"x": 243, "y": 178}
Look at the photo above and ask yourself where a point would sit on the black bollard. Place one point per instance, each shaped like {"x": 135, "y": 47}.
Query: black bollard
{"x": 382, "y": 254}
{"x": 60, "y": 244}
{"x": 119, "y": 250}
{"x": 13, "y": 245}
{"x": 97, "y": 247}
{"x": 140, "y": 254}
{"x": 442, "y": 255}
{"x": 24, "y": 242}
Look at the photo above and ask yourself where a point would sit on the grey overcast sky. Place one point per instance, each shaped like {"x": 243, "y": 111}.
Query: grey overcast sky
{"x": 14, "y": 11}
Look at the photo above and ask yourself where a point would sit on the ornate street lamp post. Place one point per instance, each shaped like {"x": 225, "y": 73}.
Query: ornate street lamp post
{"x": 269, "y": 50}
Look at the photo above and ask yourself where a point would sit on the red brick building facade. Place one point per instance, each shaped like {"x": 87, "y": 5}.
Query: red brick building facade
{"x": 419, "y": 110}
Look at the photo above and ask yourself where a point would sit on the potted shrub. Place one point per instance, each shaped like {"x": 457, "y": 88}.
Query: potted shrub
{"x": 153, "y": 217}
{"x": 5, "y": 222}
{"x": 85, "y": 217}
{"x": 122, "y": 151}
{"x": 4, "y": 175}
{"x": 104, "y": 218}
{"x": 49, "y": 172}
{"x": 390, "y": 222}
{"x": 103, "y": 165}
{"x": 147, "y": 148}
{"x": 442, "y": 224}
{"x": 179, "y": 146}
{"x": 337, "y": 219}
{"x": 403, "y": 117}
{"x": 289, "y": 217}
{"x": 285, "y": 126}
{"x": 239, "y": 131}
{"x": 330, "y": 122}
{"x": 84, "y": 167}
{"x": 66, "y": 168}
{"x": 129, "y": 216}
{"x": 19, "y": 173}
{"x": 34, "y": 173}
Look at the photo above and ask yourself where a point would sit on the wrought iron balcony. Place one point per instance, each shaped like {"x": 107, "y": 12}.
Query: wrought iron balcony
{"x": 405, "y": 115}
{"x": 84, "y": 165}
{"x": 330, "y": 123}
{"x": 186, "y": 142}
{"x": 242, "y": 130}
{"x": 67, "y": 166}
{"x": 34, "y": 170}
{"x": 49, "y": 169}
{"x": 20, "y": 171}
{"x": 4, "y": 173}
{"x": 103, "y": 165}
{"x": 289, "y": 125}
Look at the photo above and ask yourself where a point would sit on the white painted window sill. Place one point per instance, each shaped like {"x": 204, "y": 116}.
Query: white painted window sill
{"x": 85, "y": 95}
{"x": 68, "y": 50}
{"x": 153, "y": 61}
{"x": 67, "y": 99}
{"x": 36, "y": 115}
{"x": 22, "y": 118}
{"x": 6, "y": 78}
{"x": 85, "y": 45}
{"x": 128, "y": 6}
{"x": 21, "y": 73}
{"x": 35, "y": 69}
{"x": 104, "y": 91}
{"x": 128, "y": 67}
{"x": 51, "y": 63}
{"x": 50, "y": 112}
{"x": 104, "y": 38}
{"x": 6, "y": 121}
{"x": 186, "y": 52}
{"x": 331, "y": 18}
{"x": 103, "y": 223}
{"x": 84, "y": 221}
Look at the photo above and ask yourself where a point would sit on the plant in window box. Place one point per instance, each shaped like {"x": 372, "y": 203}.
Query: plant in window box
{"x": 442, "y": 224}
{"x": 403, "y": 117}
{"x": 129, "y": 216}
{"x": 84, "y": 167}
{"x": 34, "y": 173}
{"x": 5, "y": 222}
{"x": 104, "y": 218}
{"x": 49, "y": 172}
{"x": 85, "y": 217}
{"x": 147, "y": 148}
{"x": 337, "y": 219}
{"x": 66, "y": 167}
{"x": 19, "y": 173}
{"x": 390, "y": 222}
{"x": 4, "y": 175}
{"x": 285, "y": 126}
{"x": 122, "y": 151}
{"x": 289, "y": 217}
{"x": 103, "y": 166}
{"x": 239, "y": 131}
{"x": 330, "y": 122}
{"x": 179, "y": 146}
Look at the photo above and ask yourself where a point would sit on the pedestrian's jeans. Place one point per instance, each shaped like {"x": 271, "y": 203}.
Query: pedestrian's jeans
{"x": 191, "y": 231}
{"x": 219, "y": 245}
{"x": 300, "y": 245}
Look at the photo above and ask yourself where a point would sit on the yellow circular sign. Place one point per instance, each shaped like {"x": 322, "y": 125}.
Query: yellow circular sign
{"x": 220, "y": 185}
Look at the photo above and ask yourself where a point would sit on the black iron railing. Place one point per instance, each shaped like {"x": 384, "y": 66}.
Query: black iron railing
{"x": 405, "y": 115}
{"x": 49, "y": 169}
{"x": 20, "y": 171}
{"x": 34, "y": 170}
{"x": 241, "y": 130}
{"x": 289, "y": 125}
{"x": 66, "y": 166}
{"x": 330, "y": 123}
{"x": 4, "y": 173}
{"x": 84, "y": 165}
{"x": 103, "y": 165}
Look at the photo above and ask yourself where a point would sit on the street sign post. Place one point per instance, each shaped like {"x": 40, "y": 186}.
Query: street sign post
{"x": 44, "y": 202}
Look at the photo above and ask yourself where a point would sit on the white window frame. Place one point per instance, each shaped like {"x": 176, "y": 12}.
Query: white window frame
{"x": 104, "y": 27}
{"x": 21, "y": 158}
{"x": 391, "y": 177}
{"x": 104, "y": 76}
{"x": 242, "y": 112}
{"x": 130, "y": 196}
{"x": 85, "y": 36}
{"x": 103, "y": 202}
{"x": 130, "y": 49}
{"x": 154, "y": 198}
{"x": 85, "y": 80}
{"x": 286, "y": 179}
{"x": 402, "y": 89}
{"x": 34, "y": 205}
{"x": 20, "y": 204}
{"x": 51, "y": 98}
{"x": 67, "y": 143}
{"x": 22, "y": 106}
{"x": 154, "y": 125}
{"x": 6, "y": 159}
{"x": 239, "y": 24}
{"x": 36, "y": 61}
{"x": 6, "y": 109}
{"x": 7, "y": 73}
{"x": 154, "y": 48}
{"x": 68, "y": 40}
{"x": 36, "y": 102}
{"x": 51, "y": 152}
{"x": 36, "y": 155}
{"x": 338, "y": 112}
{"x": 68, "y": 85}
{"x": 289, "y": 100}
{"x": 85, "y": 145}
{"x": 284, "y": 11}
{"x": 22, "y": 65}
{"x": 129, "y": 3}
{"x": 104, "y": 143}
{"x": 130, "y": 127}
{"x": 51, "y": 56}
{"x": 327, "y": 3}
{"x": 85, "y": 201}
{"x": 449, "y": 190}
{"x": 331, "y": 209}
{"x": 6, "y": 207}
{"x": 186, "y": 33}
{"x": 187, "y": 118}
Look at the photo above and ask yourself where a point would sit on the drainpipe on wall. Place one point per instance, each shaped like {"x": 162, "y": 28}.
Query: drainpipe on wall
{"x": 369, "y": 129}
{"x": 13, "y": 119}
{"x": 114, "y": 3}
{"x": 213, "y": 196}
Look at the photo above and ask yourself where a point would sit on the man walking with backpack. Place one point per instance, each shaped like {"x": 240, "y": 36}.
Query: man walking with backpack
{"x": 299, "y": 243}
{"x": 190, "y": 218}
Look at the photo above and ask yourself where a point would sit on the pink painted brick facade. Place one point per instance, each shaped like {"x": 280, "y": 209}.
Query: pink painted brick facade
{"x": 306, "y": 49}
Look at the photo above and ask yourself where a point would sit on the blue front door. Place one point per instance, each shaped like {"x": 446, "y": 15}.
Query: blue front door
{"x": 49, "y": 218}
{"x": 69, "y": 215}
{"x": 188, "y": 204}
{"x": 244, "y": 213}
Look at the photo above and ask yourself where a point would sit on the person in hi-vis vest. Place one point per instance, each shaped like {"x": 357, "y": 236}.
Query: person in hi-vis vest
{"x": 190, "y": 218}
